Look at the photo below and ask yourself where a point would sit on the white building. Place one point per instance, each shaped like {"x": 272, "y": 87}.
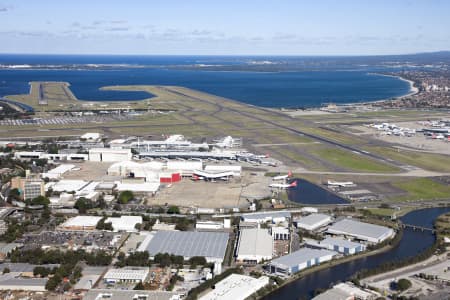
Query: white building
{"x": 57, "y": 172}
{"x": 186, "y": 168}
{"x": 254, "y": 245}
{"x": 124, "y": 223}
{"x": 130, "y": 274}
{"x": 211, "y": 225}
{"x": 208, "y": 225}
{"x": 313, "y": 221}
{"x": 342, "y": 246}
{"x": 236, "y": 287}
{"x": 263, "y": 217}
{"x": 362, "y": 231}
{"x": 280, "y": 233}
{"x": 109, "y": 155}
{"x": 81, "y": 223}
{"x": 347, "y": 291}
{"x": 66, "y": 185}
{"x": 300, "y": 260}
{"x": 236, "y": 170}
{"x": 148, "y": 170}
{"x": 138, "y": 187}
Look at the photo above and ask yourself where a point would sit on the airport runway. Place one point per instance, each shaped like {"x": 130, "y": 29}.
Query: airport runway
{"x": 296, "y": 131}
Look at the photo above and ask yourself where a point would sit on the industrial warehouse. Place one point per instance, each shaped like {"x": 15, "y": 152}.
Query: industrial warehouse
{"x": 255, "y": 245}
{"x": 299, "y": 260}
{"x": 211, "y": 245}
{"x": 361, "y": 231}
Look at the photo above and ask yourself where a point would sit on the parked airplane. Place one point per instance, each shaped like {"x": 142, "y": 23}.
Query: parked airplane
{"x": 340, "y": 183}
{"x": 283, "y": 177}
{"x": 196, "y": 178}
{"x": 283, "y": 185}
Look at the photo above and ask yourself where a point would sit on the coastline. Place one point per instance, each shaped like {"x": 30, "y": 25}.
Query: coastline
{"x": 413, "y": 90}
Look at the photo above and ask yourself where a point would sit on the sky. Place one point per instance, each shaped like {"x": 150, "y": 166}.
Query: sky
{"x": 231, "y": 27}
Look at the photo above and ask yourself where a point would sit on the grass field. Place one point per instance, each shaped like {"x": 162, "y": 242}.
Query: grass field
{"x": 422, "y": 189}
{"x": 352, "y": 161}
{"x": 427, "y": 161}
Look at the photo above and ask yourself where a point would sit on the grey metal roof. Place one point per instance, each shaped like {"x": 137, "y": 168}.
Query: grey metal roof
{"x": 275, "y": 214}
{"x": 23, "y": 267}
{"x": 189, "y": 243}
{"x": 313, "y": 219}
{"x": 333, "y": 294}
{"x": 255, "y": 241}
{"x": 300, "y": 256}
{"x": 129, "y": 295}
{"x": 339, "y": 242}
{"x": 9, "y": 279}
{"x": 356, "y": 228}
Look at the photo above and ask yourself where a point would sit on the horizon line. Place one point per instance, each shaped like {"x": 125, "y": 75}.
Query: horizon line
{"x": 228, "y": 55}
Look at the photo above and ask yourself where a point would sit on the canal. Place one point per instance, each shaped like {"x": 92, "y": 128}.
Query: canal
{"x": 308, "y": 193}
{"x": 411, "y": 244}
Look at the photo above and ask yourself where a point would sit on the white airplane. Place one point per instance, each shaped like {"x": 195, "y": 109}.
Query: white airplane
{"x": 283, "y": 185}
{"x": 282, "y": 177}
{"x": 340, "y": 183}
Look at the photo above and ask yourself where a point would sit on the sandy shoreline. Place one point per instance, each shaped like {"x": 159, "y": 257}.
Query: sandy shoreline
{"x": 413, "y": 90}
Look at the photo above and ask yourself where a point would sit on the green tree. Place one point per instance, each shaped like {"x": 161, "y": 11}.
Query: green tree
{"x": 125, "y": 197}
{"x": 173, "y": 210}
{"x": 197, "y": 261}
{"x": 403, "y": 284}
{"x": 102, "y": 225}
{"x": 139, "y": 286}
{"x": 6, "y": 270}
{"x": 40, "y": 200}
{"x": 41, "y": 271}
{"x": 83, "y": 204}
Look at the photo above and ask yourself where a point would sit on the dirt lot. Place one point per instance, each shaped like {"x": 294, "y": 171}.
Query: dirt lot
{"x": 234, "y": 193}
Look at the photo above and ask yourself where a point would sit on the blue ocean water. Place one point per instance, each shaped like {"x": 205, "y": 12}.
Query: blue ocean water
{"x": 268, "y": 89}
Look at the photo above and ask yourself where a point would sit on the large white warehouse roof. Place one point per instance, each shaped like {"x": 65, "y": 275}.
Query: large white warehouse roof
{"x": 300, "y": 256}
{"x": 313, "y": 221}
{"x": 211, "y": 245}
{"x": 124, "y": 223}
{"x": 236, "y": 287}
{"x": 360, "y": 230}
{"x": 255, "y": 243}
{"x": 82, "y": 221}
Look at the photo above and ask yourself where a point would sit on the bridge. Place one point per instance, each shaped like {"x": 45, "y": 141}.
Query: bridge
{"x": 416, "y": 227}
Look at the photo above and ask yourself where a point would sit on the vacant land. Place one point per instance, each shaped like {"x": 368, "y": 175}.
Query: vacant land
{"x": 427, "y": 161}
{"x": 422, "y": 189}
{"x": 354, "y": 161}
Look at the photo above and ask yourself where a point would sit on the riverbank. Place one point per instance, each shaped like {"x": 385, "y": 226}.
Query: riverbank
{"x": 334, "y": 263}
{"x": 405, "y": 251}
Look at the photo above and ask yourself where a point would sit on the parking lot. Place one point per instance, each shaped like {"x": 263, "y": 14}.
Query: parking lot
{"x": 66, "y": 120}
{"x": 102, "y": 240}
